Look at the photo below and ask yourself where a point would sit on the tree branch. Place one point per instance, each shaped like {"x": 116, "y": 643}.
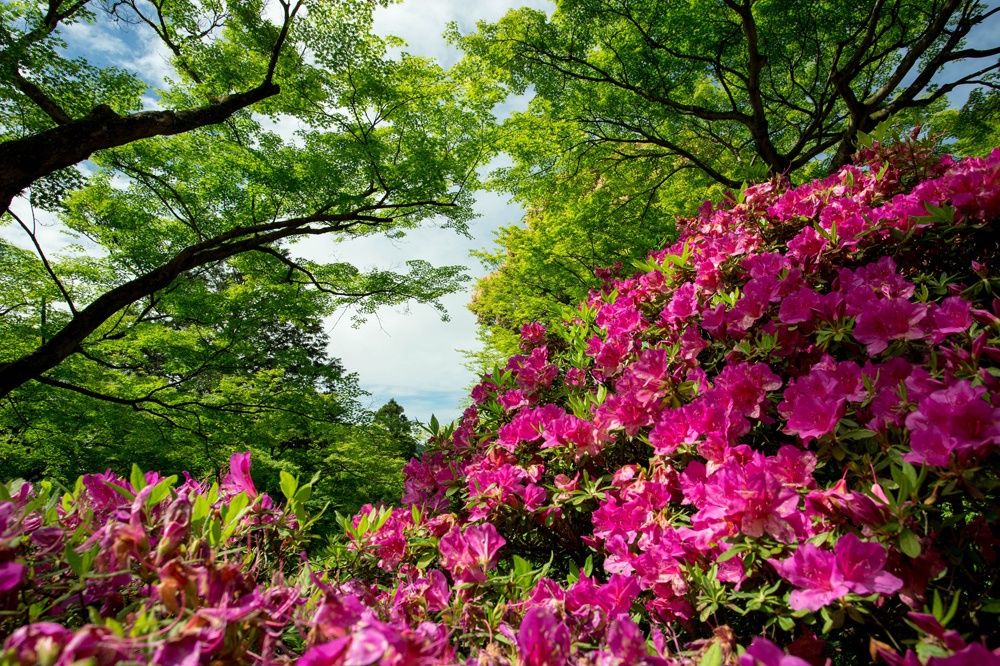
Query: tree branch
{"x": 45, "y": 262}
{"x": 22, "y": 161}
{"x": 36, "y": 95}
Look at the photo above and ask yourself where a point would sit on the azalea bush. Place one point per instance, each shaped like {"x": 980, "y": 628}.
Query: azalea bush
{"x": 773, "y": 442}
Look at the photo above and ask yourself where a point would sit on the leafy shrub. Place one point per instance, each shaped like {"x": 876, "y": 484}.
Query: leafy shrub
{"x": 775, "y": 443}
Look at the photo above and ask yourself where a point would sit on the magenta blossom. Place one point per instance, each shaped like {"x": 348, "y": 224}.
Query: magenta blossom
{"x": 11, "y": 575}
{"x": 543, "y": 640}
{"x": 238, "y": 480}
{"x": 823, "y": 577}
{"x": 468, "y": 556}
{"x": 956, "y": 421}
{"x": 763, "y": 652}
{"x": 814, "y": 571}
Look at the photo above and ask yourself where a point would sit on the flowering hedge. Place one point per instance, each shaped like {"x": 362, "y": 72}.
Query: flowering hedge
{"x": 774, "y": 444}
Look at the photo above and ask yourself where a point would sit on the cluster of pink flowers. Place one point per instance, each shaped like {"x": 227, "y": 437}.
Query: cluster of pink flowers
{"x": 782, "y": 427}
{"x": 738, "y": 413}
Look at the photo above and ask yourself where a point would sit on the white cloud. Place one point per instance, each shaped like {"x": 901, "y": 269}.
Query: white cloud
{"x": 150, "y": 59}
{"x": 48, "y": 230}
{"x": 95, "y": 38}
{"x": 421, "y": 23}
{"x": 413, "y": 357}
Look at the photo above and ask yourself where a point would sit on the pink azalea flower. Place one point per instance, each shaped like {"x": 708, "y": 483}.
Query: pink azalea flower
{"x": 39, "y": 642}
{"x": 807, "y": 245}
{"x": 183, "y": 652}
{"x": 11, "y": 575}
{"x": 532, "y": 334}
{"x": 863, "y": 566}
{"x": 683, "y": 304}
{"x": 543, "y": 639}
{"x": 645, "y": 378}
{"x": 895, "y": 319}
{"x": 763, "y": 652}
{"x": 812, "y": 406}
{"x": 797, "y": 307}
{"x": 953, "y": 316}
{"x": 238, "y": 480}
{"x": 360, "y": 649}
{"x": 626, "y": 641}
{"x": 765, "y": 264}
{"x": 952, "y": 421}
{"x": 617, "y": 594}
{"x": 469, "y": 556}
{"x": 747, "y": 385}
{"x": 815, "y": 572}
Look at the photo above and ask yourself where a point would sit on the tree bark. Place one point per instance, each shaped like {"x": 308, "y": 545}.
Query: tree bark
{"x": 23, "y": 161}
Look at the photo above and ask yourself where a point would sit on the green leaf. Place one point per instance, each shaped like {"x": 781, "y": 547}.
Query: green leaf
{"x": 712, "y": 656}
{"x": 952, "y": 609}
{"x": 75, "y": 561}
{"x": 121, "y": 491}
{"x": 214, "y": 531}
{"x": 937, "y": 606}
{"x": 383, "y": 515}
{"x": 233, "y": 510}
{"x": 161, "y": 491}
{"x": 991, "y": 606}
{"x": 137, "y": 478}
{"x": 304, "y": 494}
{"x": 909, "y": 544}
{"x": 288, "y": 484}
{"x": 200, "y": 509}
{"x": 910, "y": 473}
{"x": 732, "y": 552}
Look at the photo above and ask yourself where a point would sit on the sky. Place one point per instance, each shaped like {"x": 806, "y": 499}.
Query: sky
{"x": 408, "y": 354}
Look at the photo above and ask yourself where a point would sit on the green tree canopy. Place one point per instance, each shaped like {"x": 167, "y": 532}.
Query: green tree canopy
{"x": 735, "y": 85}
{"x": 55, "y": 110}
{"x": 385, "y": 145}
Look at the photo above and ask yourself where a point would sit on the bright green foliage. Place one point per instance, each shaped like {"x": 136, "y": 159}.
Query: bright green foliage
{"x": 734, "y": 89}
{"x": 383, "y": 146}
{"x": 552, "y": 260}
{"x": 976, "y": 126}
{"x": 354, "y": 464}
{"x": 646, "y": 108}
{"x": 185, "y": 324}
{"x": 225, "y": 360}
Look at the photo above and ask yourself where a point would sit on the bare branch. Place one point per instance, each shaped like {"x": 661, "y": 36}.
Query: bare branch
{"x": 45, "y": 262}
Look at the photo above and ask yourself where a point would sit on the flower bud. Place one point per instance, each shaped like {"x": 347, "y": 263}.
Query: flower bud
{"x": 175, "y": 527}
